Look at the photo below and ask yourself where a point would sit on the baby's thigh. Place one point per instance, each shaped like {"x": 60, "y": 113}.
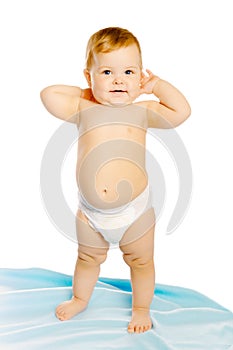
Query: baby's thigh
{"x": 140, "y": 235}
{"x": 86, "y": 235}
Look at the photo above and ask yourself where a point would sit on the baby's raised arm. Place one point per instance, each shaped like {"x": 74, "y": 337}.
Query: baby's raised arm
{"x": 171, "y": 110}
{"x": 63, "y": 101}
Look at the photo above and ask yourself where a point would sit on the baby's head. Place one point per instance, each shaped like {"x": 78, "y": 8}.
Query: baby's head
{"x": 110, "y": 39}
{"x": 114, "y": 66}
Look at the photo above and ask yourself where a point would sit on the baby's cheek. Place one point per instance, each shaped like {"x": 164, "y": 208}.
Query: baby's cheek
{"x": 135, "y": 92}
{"x": 98, "y": 95}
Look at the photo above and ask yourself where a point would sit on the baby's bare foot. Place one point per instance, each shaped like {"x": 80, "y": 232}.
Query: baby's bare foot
{"x": 140, "y": 322}
{"x": 70, "y": 308}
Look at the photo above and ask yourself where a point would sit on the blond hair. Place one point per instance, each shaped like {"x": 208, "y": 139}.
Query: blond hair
{"x": 107, "y": 40}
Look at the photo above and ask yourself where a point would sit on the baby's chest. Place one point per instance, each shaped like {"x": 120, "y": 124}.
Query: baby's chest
{"x": 125, "y": 120}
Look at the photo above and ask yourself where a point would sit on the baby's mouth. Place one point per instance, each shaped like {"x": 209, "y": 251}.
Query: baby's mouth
{"x": 118, "y": 91}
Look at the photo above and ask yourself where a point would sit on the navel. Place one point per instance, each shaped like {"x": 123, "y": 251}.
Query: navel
{"x": 105, "y": 191}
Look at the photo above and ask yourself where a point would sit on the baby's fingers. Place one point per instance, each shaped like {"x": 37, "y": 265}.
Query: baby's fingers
{"x": 150, "y": 74}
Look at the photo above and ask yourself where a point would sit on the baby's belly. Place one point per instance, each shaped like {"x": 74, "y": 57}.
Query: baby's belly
{"x": 111, "y": 173}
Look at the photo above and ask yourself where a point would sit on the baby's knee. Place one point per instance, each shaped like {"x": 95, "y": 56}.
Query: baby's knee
{"x": 92, "y": 256}
{"x": 141, "y": 262}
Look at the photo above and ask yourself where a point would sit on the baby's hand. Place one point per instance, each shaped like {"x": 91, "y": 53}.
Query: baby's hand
{"x": 148, "y": 82}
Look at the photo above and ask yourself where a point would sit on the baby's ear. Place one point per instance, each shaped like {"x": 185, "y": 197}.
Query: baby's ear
{"x": 87, "y": 76}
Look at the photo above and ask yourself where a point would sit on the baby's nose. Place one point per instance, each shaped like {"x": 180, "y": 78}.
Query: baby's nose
{"x": 117, "y": 80}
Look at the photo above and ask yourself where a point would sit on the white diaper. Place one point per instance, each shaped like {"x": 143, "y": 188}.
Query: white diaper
{"x": 112, "y": 223}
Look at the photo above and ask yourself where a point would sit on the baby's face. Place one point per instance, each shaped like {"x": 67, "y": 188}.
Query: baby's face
{"x": 115, "y": 76}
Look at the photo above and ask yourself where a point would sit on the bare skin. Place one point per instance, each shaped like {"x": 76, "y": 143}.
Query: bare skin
{"x": 70, "y": 308}
{"x": 138, "y": 255}
{"x": 115, "y": 80}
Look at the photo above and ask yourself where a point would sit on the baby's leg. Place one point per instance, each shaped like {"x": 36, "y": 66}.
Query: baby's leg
{"x": 139, "y": 255}
{"x": 86, "y": 272}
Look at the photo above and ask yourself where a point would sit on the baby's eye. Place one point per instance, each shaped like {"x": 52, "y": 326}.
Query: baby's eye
{"x": 107, "y": 72}
{"x": 128, "y": 71}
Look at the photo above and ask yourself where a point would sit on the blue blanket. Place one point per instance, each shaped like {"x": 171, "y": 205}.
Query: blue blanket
{"x": 182, "y": 318}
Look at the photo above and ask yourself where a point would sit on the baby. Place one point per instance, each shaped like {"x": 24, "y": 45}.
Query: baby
{"x": 114, "y": 194}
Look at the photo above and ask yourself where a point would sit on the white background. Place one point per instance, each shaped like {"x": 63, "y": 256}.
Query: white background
{"x": 188, "y": 43}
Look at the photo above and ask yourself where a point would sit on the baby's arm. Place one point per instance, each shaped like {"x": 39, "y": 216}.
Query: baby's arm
{"x": 171, "y": 110}
{"x": 64, "y": 101}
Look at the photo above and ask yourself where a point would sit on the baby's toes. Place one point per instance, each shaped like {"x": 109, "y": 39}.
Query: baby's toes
{"x": 60, "y": 313}
{"x": 147, "y": 328}
{"x": 130, "y": 328}
{"x": 139, "y": 329}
